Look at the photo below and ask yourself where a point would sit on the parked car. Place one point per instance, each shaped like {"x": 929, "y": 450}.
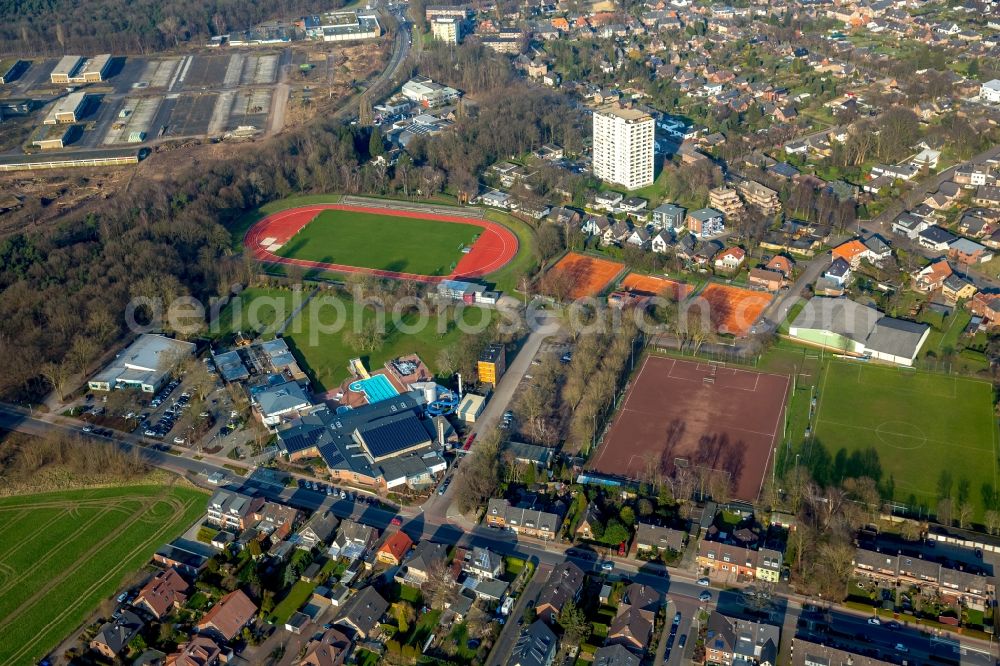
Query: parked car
{"x": 874, "y": 621}
{"x": 88, "y": 428}
{"x": 180, "y": 440}
{"x": 677, "y": 618}
{"x": 704, "y": 582}
{"x": 705, "y": 596}
{"x": 901, "y": 648}
{"x": 683, "y": 641}
{"x": 607, "y": 566}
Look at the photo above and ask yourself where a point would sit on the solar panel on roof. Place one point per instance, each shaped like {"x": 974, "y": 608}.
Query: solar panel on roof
{"x": 387, "y": 436}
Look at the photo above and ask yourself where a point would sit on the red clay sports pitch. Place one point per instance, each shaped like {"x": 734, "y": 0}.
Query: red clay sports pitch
{"x": 700, "y": 415}
{"x": 494, "y": 248}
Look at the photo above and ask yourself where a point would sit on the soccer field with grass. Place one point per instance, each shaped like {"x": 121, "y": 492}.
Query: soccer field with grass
{"x": 933, "y": 434}
{"x": 382, "y": 242}
{"x": 63, "y": 552}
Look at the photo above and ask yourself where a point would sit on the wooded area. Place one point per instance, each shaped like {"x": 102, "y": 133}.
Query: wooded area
{"x": 49, "y": 27}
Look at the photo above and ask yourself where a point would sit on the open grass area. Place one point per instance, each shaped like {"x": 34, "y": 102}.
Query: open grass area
{"x": 383, "y": 242}
{"x": 506, "y": 278}
{"x": 63, "y": 552}
{"x": 255, "y": 311}
{"x": 320, "y": 336}
{"x": 923, "y": 435}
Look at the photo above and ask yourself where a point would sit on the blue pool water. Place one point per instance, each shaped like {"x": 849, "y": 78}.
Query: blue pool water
{"x": 376, "y": 388}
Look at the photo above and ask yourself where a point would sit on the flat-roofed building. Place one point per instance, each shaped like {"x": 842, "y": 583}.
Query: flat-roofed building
{"x": 51, "y": 137}
{"x": 447, "y": 29}
{"x": 67, "y": 109}
{"x": 624, "y": 150}
{"x": 93, "y": 70}
{"x": 145, "y": 364}
{"x": 66, "y": 69}
{"x": 492, "y": 363}
{"x": 11, "y": 68}
{"x": 89, "y": 158}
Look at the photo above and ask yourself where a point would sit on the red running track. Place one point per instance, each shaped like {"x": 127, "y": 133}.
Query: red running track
{"x": 493, "y": 250}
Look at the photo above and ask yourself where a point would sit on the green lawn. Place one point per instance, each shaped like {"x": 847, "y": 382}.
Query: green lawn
{"x": 320, "y": 335}
{"x": 63, "y": 552}
{"x": 256, "y": 310}
{"x": 506, "y": 279}
{"x": 384, "y": 242}
{"x": 918, "y": 432}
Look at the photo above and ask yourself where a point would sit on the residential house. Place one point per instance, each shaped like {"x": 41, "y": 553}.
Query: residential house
{"x": 727, "y": 559}
{"x": 595, "y": 225}
{"x": 725, "y": 200}
{"x": 759, "y": 196}
{"x": 705, "y": 222}
{"x": 328, "y": 649}
{"x": 809, "y": 653}
{"x": 936, "y": 238}
{"x": 199, "y": 651}
{"x": 987, "y": 306}
{"x": 956, "y": 288}
{"x": 418, "y": 567}
{"x": 899, "y": 172}
{"x": 496, "y": 199}
{"x": 661, "y": 242}
{"x": 987, "y": 195}
{"x": 966, "y": 251}
{"x": 225, "y": 619}
{"x": 162, "y": 593}
{"x": 115, "y": 635}
{"x": 394, "y": 549}
{"x": 617, "y": 233}
{"x": 730, "y": 259}
{"x": 954, "y": 585}
{"x": 878, "y": 249}
{"x": 931, "y": 276}
{"x": 975, "y": 226}
{"x": 782, "y": 264}
{"x": 632, "y": 204}
{"x": 853, "y": 251}
{"x": 633, "y": 624}
{"x": 838, "y": 272}
{"x": 769, "y": 563}
{"x": 608, "y": 200}
{"x": 974, "y": 175}
{"x": 656, "y": 539}
{"x": 591, "y": 517}
{"x": 233, "y": 511}
{"x": 529, "y": 522}
{"x": 362, "y": 613}
{"x": 530, "y": 454}
{"x": 177, "y": 554}
{"x": 353, "y": 539}
{"x": 276, "y": 520}
{"x": 768, "y": 280}
{"x": 566, "y": 216}
{"x": 668, "y": 216}
{"x": 639, "y": 238}
{"x": 483, "y": 563}
{"x": 614, "y": 655}
{"x": 318, "y": 530}
{"x": 731, "y": 641}
{"x": 536, "y": 646}
{"x": 563, "y": 586}
{"x": 909, "y": 225}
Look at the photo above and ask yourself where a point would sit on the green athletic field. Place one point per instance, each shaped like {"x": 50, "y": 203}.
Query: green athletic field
{"x": 383, "y": 242}
{"x": 63, "y": 552}
{"x": 933, "y": 434}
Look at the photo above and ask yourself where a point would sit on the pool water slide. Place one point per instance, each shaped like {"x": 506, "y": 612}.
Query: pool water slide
{"x": 357, "y": 368}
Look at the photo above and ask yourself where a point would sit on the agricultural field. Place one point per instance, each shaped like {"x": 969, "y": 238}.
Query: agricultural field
{"x": 923, "y": 436}
{"x": 65, "y": 551}
{"x": 382, "y": 242}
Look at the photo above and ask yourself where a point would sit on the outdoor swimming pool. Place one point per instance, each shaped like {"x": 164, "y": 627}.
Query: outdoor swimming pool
{"x": 376, "y": 388}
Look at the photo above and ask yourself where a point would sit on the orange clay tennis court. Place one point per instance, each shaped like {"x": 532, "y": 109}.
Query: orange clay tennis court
{"x": 589, "y": 275}
{"x": 648, "y": 285}
{"x": 734, "y": 310}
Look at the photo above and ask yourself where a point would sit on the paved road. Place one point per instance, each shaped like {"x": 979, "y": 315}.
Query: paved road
{"x": 777, "y": 310}
{"x": 681, "y": 586}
